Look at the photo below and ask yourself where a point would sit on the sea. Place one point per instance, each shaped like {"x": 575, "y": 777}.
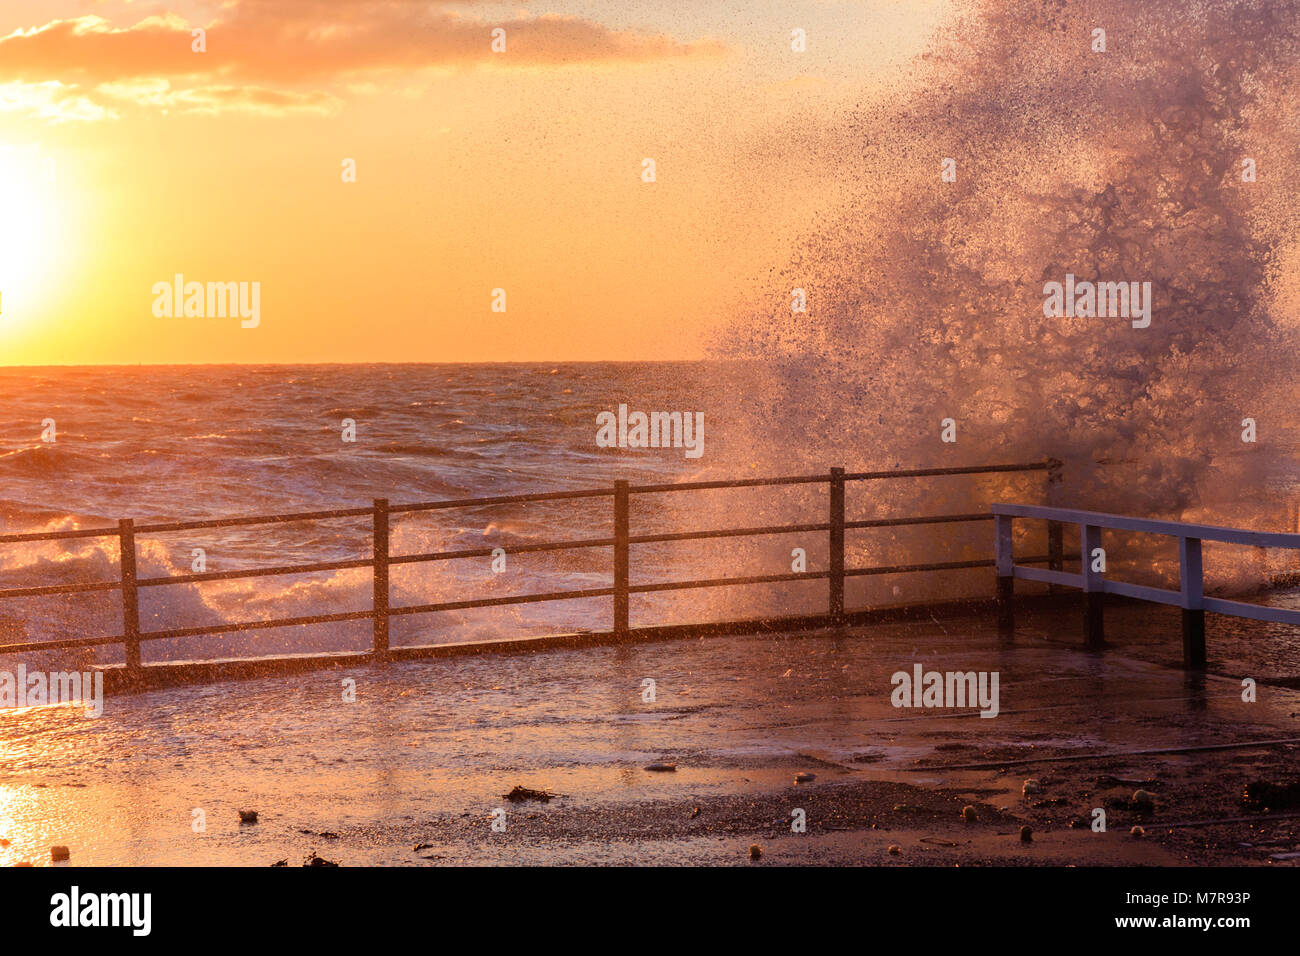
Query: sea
{"x": 82, "y": 448}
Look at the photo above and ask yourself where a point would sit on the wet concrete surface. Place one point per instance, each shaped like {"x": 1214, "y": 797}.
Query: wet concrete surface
{"x": 426, "y": 752}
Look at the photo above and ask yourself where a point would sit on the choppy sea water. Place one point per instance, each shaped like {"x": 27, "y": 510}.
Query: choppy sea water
{"x": 179, "y": 443}
{"x": 162, "y": 444}
{"x": 201, "y": 442}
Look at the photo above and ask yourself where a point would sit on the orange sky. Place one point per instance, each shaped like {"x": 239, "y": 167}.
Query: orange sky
{"x": 125, "y": 158}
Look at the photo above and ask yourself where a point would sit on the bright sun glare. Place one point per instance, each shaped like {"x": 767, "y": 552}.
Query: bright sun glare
{"x": 28, "y": 214}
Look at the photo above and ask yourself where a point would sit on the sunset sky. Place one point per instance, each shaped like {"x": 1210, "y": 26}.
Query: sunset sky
{"x": 126, "y": 158}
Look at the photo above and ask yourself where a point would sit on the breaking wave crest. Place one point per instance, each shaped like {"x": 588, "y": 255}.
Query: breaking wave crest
{"x": 925, "y": 297}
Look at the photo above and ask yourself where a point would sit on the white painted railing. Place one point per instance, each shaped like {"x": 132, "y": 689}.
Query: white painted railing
{"x": 1189, "y": 597}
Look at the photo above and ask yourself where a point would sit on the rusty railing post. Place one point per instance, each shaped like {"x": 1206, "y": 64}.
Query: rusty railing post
{"x": 1006, "y": 572}
{"x": 130, "y": 596}
{"x": 381, "y": 579}
{"x": 837, "y": 546}
{"x": 1055, "y": 529}
{"x": 621, "y": 558}
{"x": 1191, "y": 588}
{"x": 1093, "y": 596}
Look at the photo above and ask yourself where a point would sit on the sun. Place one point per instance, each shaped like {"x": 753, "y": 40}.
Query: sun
{"x": 29, "y": 213}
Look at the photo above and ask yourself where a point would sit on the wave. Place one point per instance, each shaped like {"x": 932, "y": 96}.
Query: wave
{"x": 926, "y": 298}
{"x": 43, "y": 459}
{"x": 423, "y": 451}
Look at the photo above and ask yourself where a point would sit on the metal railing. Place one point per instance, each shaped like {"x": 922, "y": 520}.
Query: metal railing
{"x": 381, "y": 559}
{"x": 1190, "y": 596}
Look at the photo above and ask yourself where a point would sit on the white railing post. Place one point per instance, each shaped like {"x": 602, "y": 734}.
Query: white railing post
{"x": 1093, "y": 628}
{"x": 1191, "y": 584}
{"x": 1006, "y": 571}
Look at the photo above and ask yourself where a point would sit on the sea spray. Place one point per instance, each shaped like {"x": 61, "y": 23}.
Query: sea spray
{"x": 925, "y": 296}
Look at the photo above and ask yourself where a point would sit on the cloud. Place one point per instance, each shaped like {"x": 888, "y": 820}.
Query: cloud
{"x": 52, "y": 101}
{"x": 160, "y": 94}
{"x": 313, "y": 41}
{"x": 273, "y": 57}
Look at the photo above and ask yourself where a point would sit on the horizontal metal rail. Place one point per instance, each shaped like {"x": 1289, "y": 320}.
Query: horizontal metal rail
{"x": 500, "y": 601}
{"x": 740, "y": 483}
{"x": 1176, "y": 529}
{"x": 848, "y": 476}
{"x": 253, "y": 573}
{"x": 513, "y": 549}
{"x": 49, "y": 589}
{"x": 26, "y": 647}
{"x": 235, "y": 626}
{"x": 382, "y": 559}
{"x": 503, "y": 500}
{"x": 1048, "y": 465}
{"x": 1190, "y": 596}
{"x": 252, "y": 520}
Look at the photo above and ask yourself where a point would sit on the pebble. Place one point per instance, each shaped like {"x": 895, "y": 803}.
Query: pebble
{"x": 247, "y": 816}
{"x": 662, "y": 767}
{"x": 1137, "y": 833}
{"x": 755, "y": 851}
{"x": 1026, "y": 834}
{"x": 895, "y": 849}
{"x": 1143, "y": 800}
{"x": 1031, "y": 786}
{"x": 805, "y": 777}
{"x": 59, "y": 853}
{"x": 968, "y": 814}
